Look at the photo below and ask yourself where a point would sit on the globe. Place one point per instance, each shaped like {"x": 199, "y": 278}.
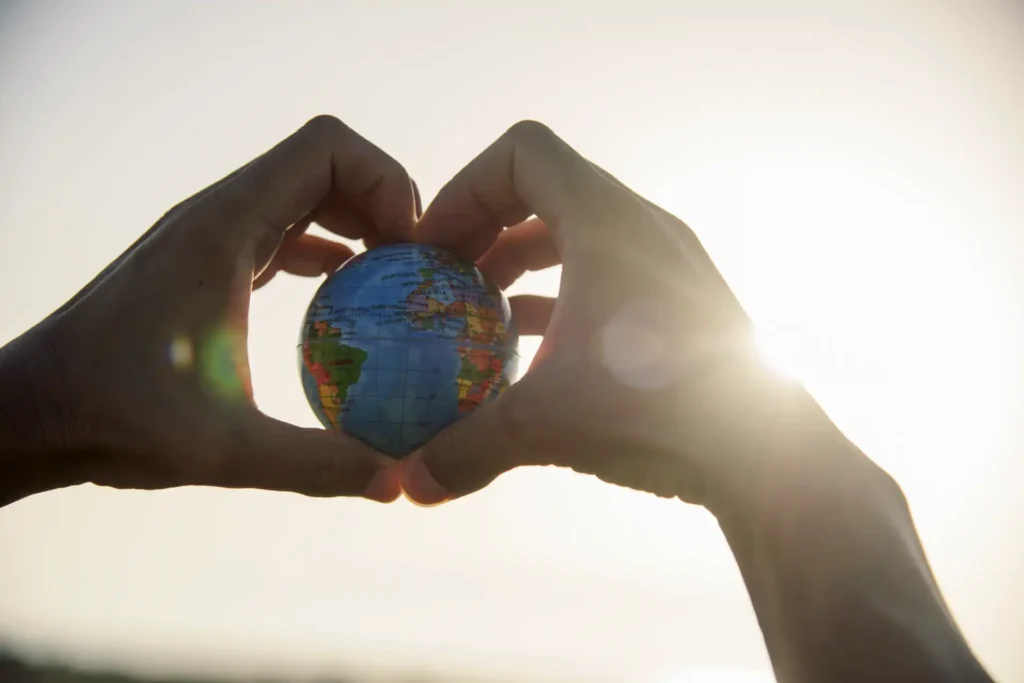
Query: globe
{"x": 402, "y": 341}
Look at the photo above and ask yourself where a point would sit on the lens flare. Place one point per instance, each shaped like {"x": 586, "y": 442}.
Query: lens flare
{"x": 181, "y": 353}
{"x": 635, "y": 348}
{"x": 223, "y": 364}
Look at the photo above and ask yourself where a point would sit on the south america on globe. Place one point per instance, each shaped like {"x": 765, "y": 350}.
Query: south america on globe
{"x": 402, "y": 341}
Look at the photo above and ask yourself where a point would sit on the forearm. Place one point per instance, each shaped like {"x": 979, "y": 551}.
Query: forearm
{"x": 30, "y": 459}
{"x": 841, "y": 585}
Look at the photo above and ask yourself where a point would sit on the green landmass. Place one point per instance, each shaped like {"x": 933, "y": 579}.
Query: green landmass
{"x": 471, "y": 371}
{"x": 343, "y": 364}
{"x": 335, "y": 366}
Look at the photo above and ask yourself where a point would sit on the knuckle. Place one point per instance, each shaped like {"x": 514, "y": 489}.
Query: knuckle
{"x": 533, "y": 133}
{"x": 600, "y": 199}
{"x": 610, "y": 211}
{"x": 618, "y": 207}
{"x": 325, "y": 127}
{"x": 393, "y": 169}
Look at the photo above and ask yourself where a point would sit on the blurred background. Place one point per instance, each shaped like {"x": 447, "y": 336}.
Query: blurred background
{"x": 854, "y": 168}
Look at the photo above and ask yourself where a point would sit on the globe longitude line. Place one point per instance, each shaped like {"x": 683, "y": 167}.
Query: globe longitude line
{"x": 383, "y": 305}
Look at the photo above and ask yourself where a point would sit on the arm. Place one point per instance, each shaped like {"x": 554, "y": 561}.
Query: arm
{"x": 666, "y": 397}
{"x": 30, "y": 459}
{"x": 94, "y": 394}
{"x": 841, "y": 586}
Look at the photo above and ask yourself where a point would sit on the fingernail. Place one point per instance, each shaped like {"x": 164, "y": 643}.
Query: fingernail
{"x": 420, "y": 486}
{"x": 384, "y": 486}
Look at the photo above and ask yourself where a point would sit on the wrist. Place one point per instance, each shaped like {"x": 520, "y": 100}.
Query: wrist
{"x": 768, "y": 443}
{"x": 840, "y": 501}
{"x": 34, "y": 453}
{"x": 840, "y": 583}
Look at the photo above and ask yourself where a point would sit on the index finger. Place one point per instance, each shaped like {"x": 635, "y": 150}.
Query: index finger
{"x": 528, "y": 171}
{"x": 325, "y": 159}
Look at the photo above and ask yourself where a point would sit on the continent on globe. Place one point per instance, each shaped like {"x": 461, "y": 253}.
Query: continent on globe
{"x": 334, "y": 366}
{"x": 400, "y": 342}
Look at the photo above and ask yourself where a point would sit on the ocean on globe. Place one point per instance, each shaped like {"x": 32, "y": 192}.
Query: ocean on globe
{"x": 402, "y": 341}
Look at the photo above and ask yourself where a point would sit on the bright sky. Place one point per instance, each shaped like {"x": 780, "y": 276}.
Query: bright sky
{"x": 854, "y": 169}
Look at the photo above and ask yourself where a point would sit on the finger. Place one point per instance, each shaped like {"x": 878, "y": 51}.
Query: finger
{"x": 352, "y": 223}
{"x": 467, "y": 456}
{"x": 306, "y": 256}
{"x": 531, "y": 314}
{"x": 521, "y": 248}
{"x": 270, "y": 250}
{"x": 416, "y": 197}
{"x": 520, "y": 429}
{"x": 262, "y": 277}
{"x": 474, "y": 452}
{"x": 323, "y": 158}
{"x": 311, "y": 256}
{"x": 528, "y": 171}
{"x": 376, "y": 239}
{"x": 335, "y": 214}
{"x": 277, "y": 456}
{"x": 517, "y": 429}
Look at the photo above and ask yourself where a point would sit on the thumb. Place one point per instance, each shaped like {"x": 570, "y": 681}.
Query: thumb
{"x": 277, "y": 456}
{"x": 476, "y": 450}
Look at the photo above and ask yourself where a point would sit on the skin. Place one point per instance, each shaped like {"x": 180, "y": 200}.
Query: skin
{"x": 668, "y": 396}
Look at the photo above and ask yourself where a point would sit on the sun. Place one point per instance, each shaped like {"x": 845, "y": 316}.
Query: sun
{"x": 778, "y": 352}
{"x": 868, "y": 286}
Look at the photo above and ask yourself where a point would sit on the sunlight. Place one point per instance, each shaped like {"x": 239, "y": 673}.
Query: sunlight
{"x": 851, "y": 173}
{"x": 865, "y": 286}
{"x": 776, "y": 350}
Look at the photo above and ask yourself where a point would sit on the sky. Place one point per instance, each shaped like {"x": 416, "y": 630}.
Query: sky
{"x": 853, "y": 168}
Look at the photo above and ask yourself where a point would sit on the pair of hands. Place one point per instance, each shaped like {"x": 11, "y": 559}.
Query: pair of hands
{"x": 646, "y": 376}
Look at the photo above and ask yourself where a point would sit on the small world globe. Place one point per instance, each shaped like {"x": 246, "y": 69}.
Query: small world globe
{"x": 402, "y": 341}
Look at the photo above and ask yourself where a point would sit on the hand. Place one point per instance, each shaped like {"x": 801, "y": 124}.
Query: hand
{"x": 647, "y": 375}
{"x": 146, "y": 369}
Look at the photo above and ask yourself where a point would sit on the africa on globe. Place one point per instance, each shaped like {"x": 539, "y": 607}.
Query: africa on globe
{"x": 402, "y": 341}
